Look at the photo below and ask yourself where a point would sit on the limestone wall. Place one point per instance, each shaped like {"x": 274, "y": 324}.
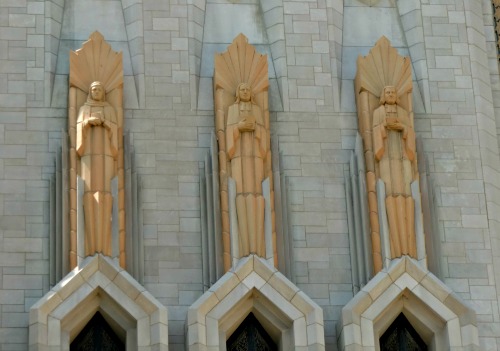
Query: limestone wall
{"x": 312, "y": 47}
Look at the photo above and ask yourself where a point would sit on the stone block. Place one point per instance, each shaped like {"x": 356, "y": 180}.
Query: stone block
{"x": 466, "y": 235}
{"x": 296, "y": 8}
{"x": 40, "y": 310}
{"x": 273, "y": 17}
{"x": 199, "y": 309}
{"x": 14, "y": 320}
{"x": 170, "y": 24}
{"x": 235, "y": 296}
{"x": 368, "y": 24}
{"x": 129, "y": 285}
{"x": 12, "y": 100}
{"x": 21, "y": 20}
{"x": 470, "y": 337}
{"x": 143, "y": 332}
{"x": 253, "y": 280}
{"x": 98, "y": 280}
{"x": 243, "y": 21}
{"x": 147, "y": 302}
{"x": 107, "y": 267}
{"x": 475, "y": 221}
{"x": 352, "y": 337}
{"x": 315, "y": 335}
{"x": 13, "y": 245}
{"x": 263, "y": 269}
{"x": 311, "y": 254}
{"x": 392, "y": 293}
{"x": 300, "y": 334}
{"x": 35, "y": 8}
{"x": 307, "y": 59}
{"x": 10, "y": 33}
{"x": 483, "y": 292}
{"x": 196, "y": 334}
{"x": 448, "y": 62}
{"x": 71, "y": 298}
{"x": 434, "y": 10}
{"x": 225, "y": 285}
{"x": 285, "y": 287}
{"x": 310, "y": 92}
{"x": 405, "y": 281}
{"x": 318, "y": 15}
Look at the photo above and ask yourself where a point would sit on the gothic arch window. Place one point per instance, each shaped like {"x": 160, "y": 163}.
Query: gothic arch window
{"x": 97, "y": 335}
{"x": 401, "y": 336}
{"x": 250, "y": 336}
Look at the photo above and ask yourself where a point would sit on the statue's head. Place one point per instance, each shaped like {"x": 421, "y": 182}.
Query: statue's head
{"x": 243, "y": 92}
{"x": 389, "y": 95}
{"x": 96, "y": 91}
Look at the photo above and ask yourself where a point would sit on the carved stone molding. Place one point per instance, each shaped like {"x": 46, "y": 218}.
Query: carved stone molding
{"x": 98, "y": 284}
{"x": 439, "y": 316}
{"x": 288, "y": 315}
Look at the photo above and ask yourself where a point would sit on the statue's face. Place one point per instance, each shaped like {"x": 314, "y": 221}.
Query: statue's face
{"x": 245, "y": 93}
{"x": 97, "y": 92}
{"x": 390, "y": 95}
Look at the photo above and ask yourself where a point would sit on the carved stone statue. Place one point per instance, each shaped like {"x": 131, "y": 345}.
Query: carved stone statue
{"x": 394, "y": 149}
{"x": 246, "y": 142}
{"x": 95, "y": 125}
{"x": 241, "y": 86}
{"x": 383, "y": 87}
{"x": 97, "y": 147}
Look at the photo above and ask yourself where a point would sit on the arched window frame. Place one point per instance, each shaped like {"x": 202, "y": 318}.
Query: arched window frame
{"x": 99, "y": 284}
{"x": 290, "y": 317}
{"x": 439, "y": 316}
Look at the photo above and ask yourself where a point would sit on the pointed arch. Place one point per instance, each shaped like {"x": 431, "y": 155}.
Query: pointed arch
{"x": 99, "y": 285}
{"x": 439, "y": 316}
{"x": 290, "y": 317}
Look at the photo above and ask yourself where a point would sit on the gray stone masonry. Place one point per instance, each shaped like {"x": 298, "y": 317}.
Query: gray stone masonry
{"x": 314, "y": 45}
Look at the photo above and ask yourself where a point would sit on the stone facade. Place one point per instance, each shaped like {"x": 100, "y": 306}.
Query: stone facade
{"x": 312, "y": 47}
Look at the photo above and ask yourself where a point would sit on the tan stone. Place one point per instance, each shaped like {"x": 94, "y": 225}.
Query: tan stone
{"x": 285, "y": 287}
{"x": 262, "y": 268}
{"x": 225, "y": 285}
{"x": 383, "y": 85}
{"x": 40, "y": 310}
{"x": 96, "y": 150}
{"x": 242, "y": 125}
{"x": 360, "y": 302}
{"x": 244, "y": 267}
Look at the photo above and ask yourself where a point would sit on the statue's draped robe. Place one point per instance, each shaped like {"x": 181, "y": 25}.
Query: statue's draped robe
{"x": 395, "y": 152}
{"x": 247, "y": 151}
{"x": 97, "y": 147}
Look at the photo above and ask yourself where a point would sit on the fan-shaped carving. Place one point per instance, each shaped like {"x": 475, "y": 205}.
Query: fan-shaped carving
{"x": 382, "y": 67}
{"x": 241, "y": 63}
{"x": 96, "y": 61}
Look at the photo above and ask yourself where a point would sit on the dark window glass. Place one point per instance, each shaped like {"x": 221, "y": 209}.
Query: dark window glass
{"x": 250, "y": 336}
{"x": 401, "y": 336}
{"x": 97, "y": 336}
